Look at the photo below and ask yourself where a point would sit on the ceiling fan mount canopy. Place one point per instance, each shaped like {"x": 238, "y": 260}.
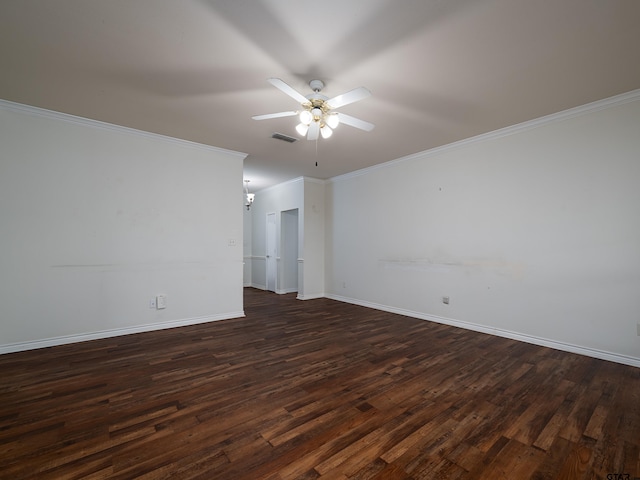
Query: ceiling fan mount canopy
{"x": 316, "y": 115}
{"x": 316, "y": 85}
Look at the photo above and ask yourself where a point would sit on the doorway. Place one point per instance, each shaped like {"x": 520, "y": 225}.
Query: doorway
{"x": 271, "y": 252}
{"x": 289, "y": 251}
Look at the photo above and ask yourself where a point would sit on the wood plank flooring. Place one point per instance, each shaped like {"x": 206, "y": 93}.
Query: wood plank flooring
{"x": 315, "y": 389}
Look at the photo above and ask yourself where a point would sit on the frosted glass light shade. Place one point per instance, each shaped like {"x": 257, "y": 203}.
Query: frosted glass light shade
{"x": 325, "y": 131}
{"x": 302, "y": 129}
{"x": 306, "y": 117}
{"x": 333, "y": 120}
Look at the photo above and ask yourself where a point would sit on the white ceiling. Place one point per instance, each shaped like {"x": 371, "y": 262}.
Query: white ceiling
{"x": 439, "y": 70}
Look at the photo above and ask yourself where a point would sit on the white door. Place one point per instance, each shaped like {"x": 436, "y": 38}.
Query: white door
{"x": 272, "y": 267}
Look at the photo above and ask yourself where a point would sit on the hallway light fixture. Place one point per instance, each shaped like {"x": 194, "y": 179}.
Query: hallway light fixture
{"x": 248, "y": 197}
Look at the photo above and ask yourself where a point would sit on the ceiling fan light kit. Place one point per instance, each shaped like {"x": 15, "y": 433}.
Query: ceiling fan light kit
{"x": 316, "y": 115}
{"x": 333, "y": 120}
{"x": 302, "y": 129}
{"x": 306, "y": 117}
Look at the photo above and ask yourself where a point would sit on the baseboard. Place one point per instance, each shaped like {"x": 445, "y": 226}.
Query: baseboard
{"x": 289, "y": 290}
{"x": 66, "y": 339}
{"x": 280, "y": 291}
{"x": 283, "y": 291}
{"x": 310, "y": 296}
{"x": 542, "y": 342}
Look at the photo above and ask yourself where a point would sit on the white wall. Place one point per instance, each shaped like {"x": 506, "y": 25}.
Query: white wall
{"x": 314, "y": 239}
{"x": 97, "y": 220}
{"x": 533, "y": 232}
{"x": 306, "y": 195}
{"x": 283, "y": 197}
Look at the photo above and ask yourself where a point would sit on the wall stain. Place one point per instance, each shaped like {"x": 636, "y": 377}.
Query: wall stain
{"x": 500, "y": 267}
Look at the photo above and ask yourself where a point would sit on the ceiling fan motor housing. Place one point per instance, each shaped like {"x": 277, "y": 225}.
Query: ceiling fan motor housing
{"x": 317, "y": 104}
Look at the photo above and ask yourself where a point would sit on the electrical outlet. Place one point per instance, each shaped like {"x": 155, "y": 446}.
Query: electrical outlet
{"x": 445, "y": 300}
{"x": 152, "y": 303}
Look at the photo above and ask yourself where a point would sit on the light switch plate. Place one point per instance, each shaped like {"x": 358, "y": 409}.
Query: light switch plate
{"x": 161, "y": 302}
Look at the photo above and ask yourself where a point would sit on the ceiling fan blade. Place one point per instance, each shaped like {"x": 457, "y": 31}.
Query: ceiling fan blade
{"x": 274, "y": 115}
{"x": 314, "y": 131}
{"x": 349, "y": 97}
{"x": 285, "y": 88}
{"x": 355, "y": 122}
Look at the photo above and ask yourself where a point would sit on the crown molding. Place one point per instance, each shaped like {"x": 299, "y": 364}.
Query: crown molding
{"x": 292, "y": 181}
{"x": 87, "y": 122}
{"x": 280, "y": 185}
{"x": 314, "y": 180}
{"x": 592, "y": 107}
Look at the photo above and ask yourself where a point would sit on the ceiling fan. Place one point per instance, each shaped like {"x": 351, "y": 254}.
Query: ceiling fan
{"x": 317, "y": 112}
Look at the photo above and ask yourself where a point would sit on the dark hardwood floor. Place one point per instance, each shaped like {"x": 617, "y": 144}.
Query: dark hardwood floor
{"x": 315, "y": 389}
